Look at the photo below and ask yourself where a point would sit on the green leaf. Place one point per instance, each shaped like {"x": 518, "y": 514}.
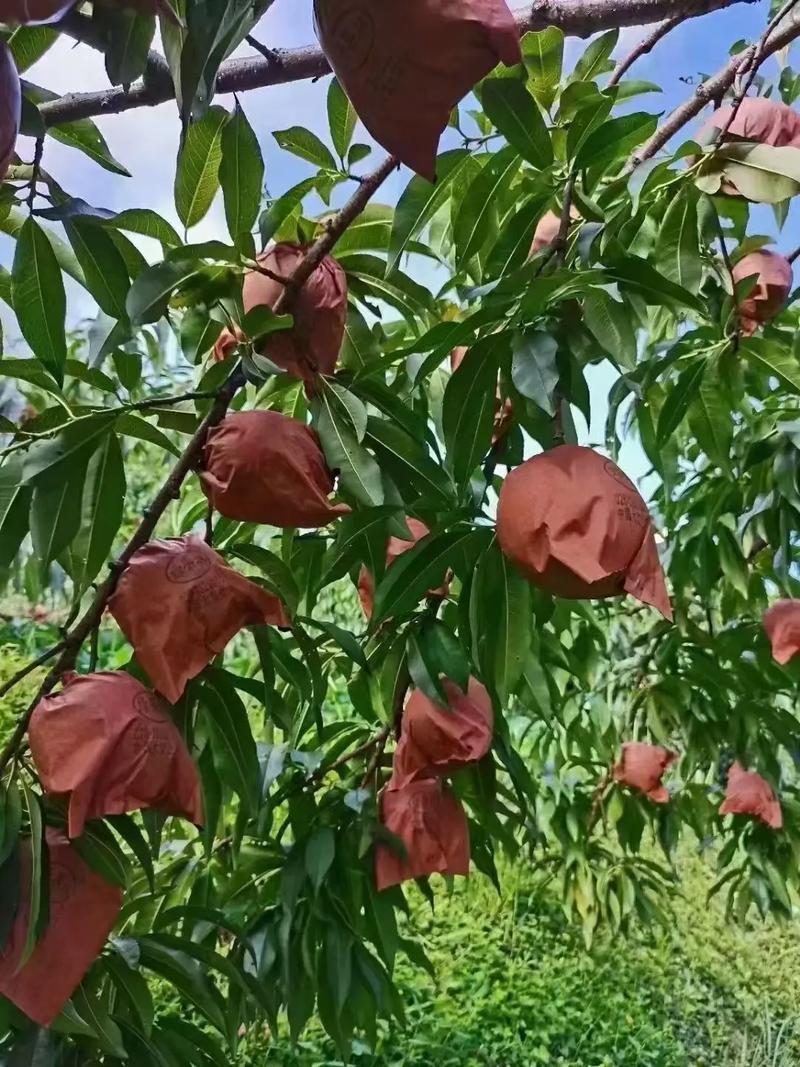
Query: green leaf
{"x": 29, "y": 43}
{"x": 342, "y": 118}
{"x": 305, "y": 144}
{"x": 516, "y": 115}
{"x": 149, "y": 296}
{"x": 56, "y": 512}
{"x": 147, "y": 223}
{"x": 762, "y": 173}
{"x": 101, "y": 508}
{"x": 99, "y": 848}
{"x": 133, "y": 837}
{"x": 103, "y": 266}
{"x": 678, "y": 245}
{"x": 543, "y": 55}
{"x": 39, "y": 299}
{"x": 774, "y": 358}
{"x": 637, "y": 274}
{"x": 419, "y": 202}
{"x": 444, "y": 657}
{"x": 359, "y": 474}
{"x": 82, "y": 134}
{"x": 38, "y": 899}
{"x": 106, "y": 1032}
{"x": 279, "y": 210}
{"x": 132, "y": 986}
{"x": 679, "y": 397}
{"x": 616, "y": 139}
{"x": 76, "y": 439}
{"x": 473, "y": 223}
{"x": 187, "y": 976}
{"x": 319, "y": 855}
{"x": 241, "y": 173}
{"x": 533, "y": 368}
{"x": 407, "y": 461}
{"x": 470, "y": 399}
{"x": 197, "y": 177}
{"x": 277, "y": 573}
{"x": 710, "y": 420}
{"x": 130, "y": 425}
{"x": 15, "y": 499}
{"x": 360, "y": 348}
{"x": 129, "y": 36}
{"x": 501, "y": 594}
{"x": 595, "y": 60}
{"x": 10, "y": 819}
{"x": 611, "y": 325}
{"x": 233, "y": 746}
{"x": 421, "y": 568}
{"x": 353, "y": 536}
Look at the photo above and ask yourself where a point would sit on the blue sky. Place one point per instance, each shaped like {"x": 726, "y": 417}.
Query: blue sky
{"x": 146, "y": 140}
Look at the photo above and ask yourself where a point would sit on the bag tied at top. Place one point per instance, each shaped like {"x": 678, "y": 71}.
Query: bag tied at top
{"x": 395, "y": 548}
{"x": 405, "y": 64}
{"x": 642, "y": 766}
{"x": 319, "y": 310}
{"x": 83, "y": 910}
{"x": 416, "y": 806}
{"x": 782, "y": 623}
{"x": 575, "y": 525}
{"x": 105, "y": 743}
{"x": 771, "y": 291}
{"x": 10, "y": 107}
{"x": 179, "y": 604}
{"x": 750, "y": 794}
{"x": 262, "y": 466}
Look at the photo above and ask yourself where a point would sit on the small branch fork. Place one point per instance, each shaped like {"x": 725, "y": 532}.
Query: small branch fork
{"x": 772, "y": 40}
{"x": 67, "y": 651}
{"x": 644, "y": 48}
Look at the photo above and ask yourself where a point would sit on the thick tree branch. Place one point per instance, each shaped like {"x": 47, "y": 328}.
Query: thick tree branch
{"x": 170, "y": 490}
{"x": 577, "y": 18}
{"x": 716, "y": 87}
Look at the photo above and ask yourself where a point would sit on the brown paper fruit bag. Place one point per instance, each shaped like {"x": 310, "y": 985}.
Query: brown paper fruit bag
{"x": 772, "y": 288}
{"x": 104, "y": 742}
{"x": 405, "y": 64}
{"x": 642, "y": 767}
{"x": 575, "y": 525}
{"x": 83, "y": 910}
{"x": 179, "y": 604}
{"x": 319, "y": 310}
{"x": 749, "y": 794}
{"x": 261, "y": 466}
{"x": 10, "y": 107}
{"x": 757, "y": 119}
{"x": 395, "y": 548}
{"x": 440, "y": 740}
{"x": 33, "y": 12}
{"x": 432, "y": 825}
{"x": 782, "y": 623}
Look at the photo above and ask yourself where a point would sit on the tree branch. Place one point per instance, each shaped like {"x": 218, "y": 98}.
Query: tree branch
{"x": 644, "y": 48}
{"x": 170, "y": 490}
{"x": 577, "y": 18}
{"x": 715, "y": 87}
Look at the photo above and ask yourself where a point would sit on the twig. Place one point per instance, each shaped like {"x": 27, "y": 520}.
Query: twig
{"x": 644, "y": 48}
{"x": 37, "y": 163}
{"x": 710, "y": 89}
{"x": 170, "y": 490}
{"x": 15, "y": 679}
{"x": 168, "y": 401}
{"x": 94, "y": 649}
{"x": 579, "y": 18}
{"x": 737, "y": 332}
{"x": 559, "y": 248}
{"x": 270, "y": 54}
{"x": 379, "y": 738}
{"x": 794, "y": 255}
{"x": 377, "y": 756}
{"x": 210, "y": 525}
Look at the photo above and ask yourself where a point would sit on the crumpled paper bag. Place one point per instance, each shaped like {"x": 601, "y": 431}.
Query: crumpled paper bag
{"x": 319, "y": 309}
{"x": 395, "y": 548}
{"x": 440, "y": 740}
{"x": 782, "y": 623}
{"x": 758, "y": 119}
{"x": 750, "y": 794}
{"x": 405, "y": 64}
{"x": 574, "y": 524}
{"x": 179, "y": 604}
{"x": 772, "y": 288}
{"x": 261, "y": 466}
{"x": 642, "y": 766}
{"x": 104, "y": 742}
{"x": 432, "y": 825}
{"x": 83, "y": 910}
{"x": 10, "y": 107}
